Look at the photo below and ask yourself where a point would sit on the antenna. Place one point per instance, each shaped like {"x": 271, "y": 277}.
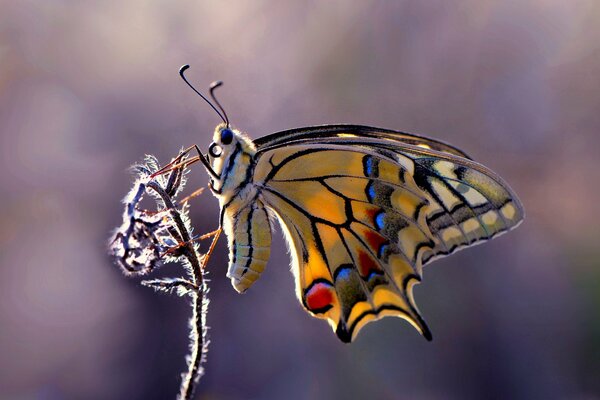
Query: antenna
{"x": 181, "y": 73}
{"x": 214, "y": 86}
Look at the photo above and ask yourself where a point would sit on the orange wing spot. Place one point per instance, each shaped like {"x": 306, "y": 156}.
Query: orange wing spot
{"x": 366, "y": 264}
{"x": 314, "y": 198}
{"x": 319, "y": 297}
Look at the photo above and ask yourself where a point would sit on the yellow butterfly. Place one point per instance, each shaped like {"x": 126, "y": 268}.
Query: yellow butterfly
{"x": 362, "y": 210}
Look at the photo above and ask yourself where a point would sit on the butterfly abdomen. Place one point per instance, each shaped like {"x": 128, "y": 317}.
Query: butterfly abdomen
{"x": 249, "y": 234}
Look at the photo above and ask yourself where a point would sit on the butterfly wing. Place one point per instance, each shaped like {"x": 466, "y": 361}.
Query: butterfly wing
{"x": 363, "y": 213}
{"x": 343, "y": 132}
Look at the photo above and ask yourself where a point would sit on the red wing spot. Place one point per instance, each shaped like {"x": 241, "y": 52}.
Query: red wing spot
{"x": 366, "y": 265}
{"x": 372, "y": 212}
{"x": 374, "y": 239}
{"x": 319, "y": 297}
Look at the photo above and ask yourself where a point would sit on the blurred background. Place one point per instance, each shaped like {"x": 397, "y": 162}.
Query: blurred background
{"x": 88, "y": 87}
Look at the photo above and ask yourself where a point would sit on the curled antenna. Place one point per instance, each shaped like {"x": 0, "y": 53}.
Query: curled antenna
{"x": 213, "y": 86}
{"x": 181, "y": 73}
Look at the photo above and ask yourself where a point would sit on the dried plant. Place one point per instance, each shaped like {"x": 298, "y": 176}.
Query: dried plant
{"x": 149, "y": 238}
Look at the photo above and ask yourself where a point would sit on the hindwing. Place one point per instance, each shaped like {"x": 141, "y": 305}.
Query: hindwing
{"x": 364, "y": 212}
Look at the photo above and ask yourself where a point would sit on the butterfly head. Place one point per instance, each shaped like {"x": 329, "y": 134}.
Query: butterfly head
{"x": 229, "y": 153}
{"x": 224, "y": 139}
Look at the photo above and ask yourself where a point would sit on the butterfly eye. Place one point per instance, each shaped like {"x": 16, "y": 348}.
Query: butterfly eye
{"x": 215, "y": 150}
{"x": 226, "y": 136}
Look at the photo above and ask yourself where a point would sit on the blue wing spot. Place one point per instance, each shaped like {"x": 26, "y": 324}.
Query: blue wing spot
{"x": 380, "y": 220}
{"x": 370, "y": 190}
{"x": 373, "y": 274}
{"x": 369, "y": 166}
{"x": 342, "y": 273}
{"x": 381, "y": 250}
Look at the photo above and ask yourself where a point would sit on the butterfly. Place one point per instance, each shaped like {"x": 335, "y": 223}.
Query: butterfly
{"x": 362, "y": 209}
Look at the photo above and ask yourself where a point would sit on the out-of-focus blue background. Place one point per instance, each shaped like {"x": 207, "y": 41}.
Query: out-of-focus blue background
{"x": 87, "y": 88}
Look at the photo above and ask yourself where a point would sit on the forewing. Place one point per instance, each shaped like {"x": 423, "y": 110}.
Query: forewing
{"x": 345, "y": 133}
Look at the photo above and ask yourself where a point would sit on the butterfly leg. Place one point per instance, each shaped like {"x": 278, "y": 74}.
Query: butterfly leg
{"x": 176, "y": 164}
{"x": 174, "y": 249}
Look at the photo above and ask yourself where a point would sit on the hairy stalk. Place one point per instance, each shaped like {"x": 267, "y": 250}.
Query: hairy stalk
{"x": 198, "y": 334}
{"x": 146, "y": 239}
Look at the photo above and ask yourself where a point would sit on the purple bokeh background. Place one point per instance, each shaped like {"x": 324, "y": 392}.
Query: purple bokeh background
{"x": 87, "y": 88}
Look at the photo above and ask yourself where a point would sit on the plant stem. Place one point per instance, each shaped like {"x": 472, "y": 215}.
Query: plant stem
{"x": 198, "y": 340}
